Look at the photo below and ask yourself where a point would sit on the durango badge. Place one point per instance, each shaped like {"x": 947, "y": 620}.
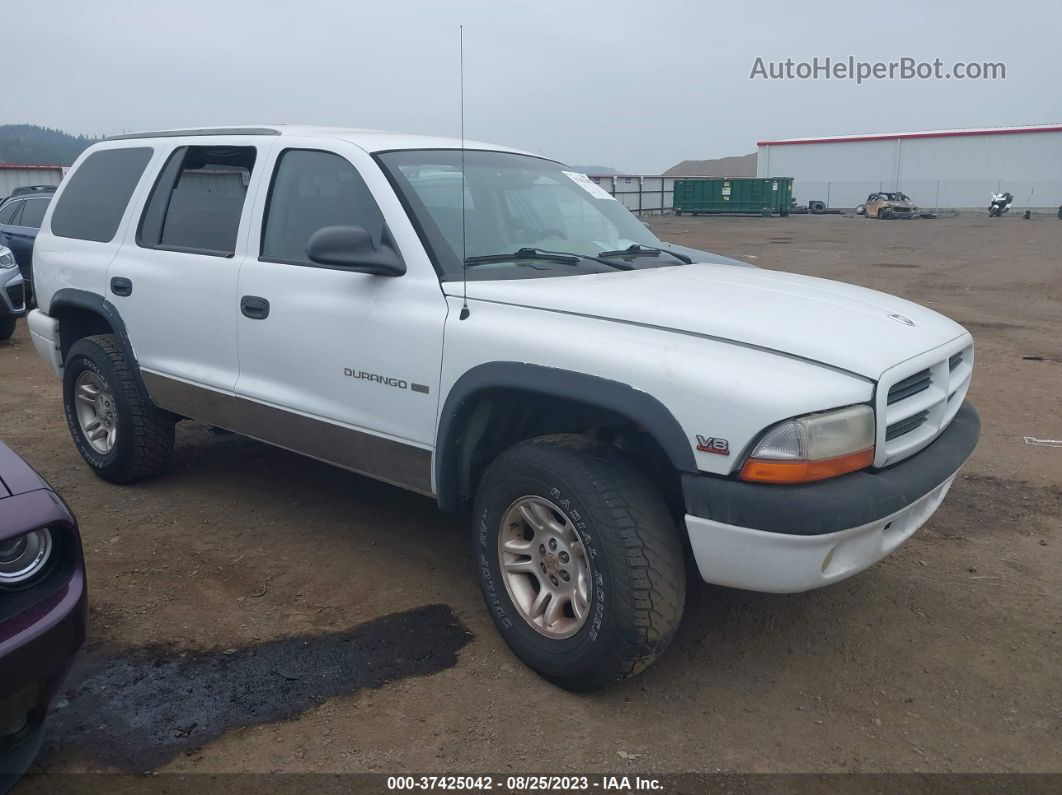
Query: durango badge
{"x": 711, "y": 444}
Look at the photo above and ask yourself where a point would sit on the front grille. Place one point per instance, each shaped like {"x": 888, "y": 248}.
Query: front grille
{"x": 917, "y": 400}
{"x": 909, "y": 386}
{"x": 16, "y": 293}
{"x": 906, "y": 426}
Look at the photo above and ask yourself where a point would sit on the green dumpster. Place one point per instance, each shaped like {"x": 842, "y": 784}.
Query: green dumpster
{"x": 739, "y": 195}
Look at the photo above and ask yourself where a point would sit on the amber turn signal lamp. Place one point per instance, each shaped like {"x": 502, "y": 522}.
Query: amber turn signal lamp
{"x": 782, "y": 471}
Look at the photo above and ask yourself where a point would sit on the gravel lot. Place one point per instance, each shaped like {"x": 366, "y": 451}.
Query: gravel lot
{"x": 945, "y": 657}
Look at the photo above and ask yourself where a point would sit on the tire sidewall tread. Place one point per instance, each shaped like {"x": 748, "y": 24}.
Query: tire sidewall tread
{"x": 637, "y": 566}
{"x": 145, "y": 435}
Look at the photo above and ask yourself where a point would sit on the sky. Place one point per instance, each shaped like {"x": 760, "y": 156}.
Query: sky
{"x": 638, "y": 86}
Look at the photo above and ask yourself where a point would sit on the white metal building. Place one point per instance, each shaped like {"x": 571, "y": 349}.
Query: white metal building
{"x": 936, "y": 168}
{"x": 17, "y": 176}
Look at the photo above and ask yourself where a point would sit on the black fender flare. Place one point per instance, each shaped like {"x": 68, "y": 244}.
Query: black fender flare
{"x": 623, "y": 399}
{"x": 97, "y": 304}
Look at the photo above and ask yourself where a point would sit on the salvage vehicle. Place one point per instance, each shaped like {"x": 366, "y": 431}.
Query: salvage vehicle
{"x": 490, "y": 328}
{"x": 12, "y": 293}
{"x": 887, "y": 205}
{"x": 42, "y": 608}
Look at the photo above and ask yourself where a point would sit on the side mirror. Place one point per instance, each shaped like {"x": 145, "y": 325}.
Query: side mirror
{"x": 351, "y": 248}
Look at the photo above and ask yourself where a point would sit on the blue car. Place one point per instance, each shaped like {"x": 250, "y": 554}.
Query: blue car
{"x": 20, "y": 219}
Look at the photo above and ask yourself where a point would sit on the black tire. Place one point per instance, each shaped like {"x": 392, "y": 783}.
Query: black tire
{"x": 144, "y": 438}
{"x": 637, "y": 569}
{"x": 7, "y": 327}
{"x": 994, "y": 212}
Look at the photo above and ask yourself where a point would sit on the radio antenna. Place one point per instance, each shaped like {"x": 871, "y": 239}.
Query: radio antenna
{"x": 464, "y": 230}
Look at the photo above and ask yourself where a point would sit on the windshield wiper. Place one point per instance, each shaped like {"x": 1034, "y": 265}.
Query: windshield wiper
{"x": 638, "y": 249}
{"x": 564, "y": 257}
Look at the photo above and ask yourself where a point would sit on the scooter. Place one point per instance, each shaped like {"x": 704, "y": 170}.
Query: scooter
{"x": 1000, "y": 204}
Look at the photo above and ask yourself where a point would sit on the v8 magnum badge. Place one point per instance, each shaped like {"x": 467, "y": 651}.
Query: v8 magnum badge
{"x": 713, "y": 444}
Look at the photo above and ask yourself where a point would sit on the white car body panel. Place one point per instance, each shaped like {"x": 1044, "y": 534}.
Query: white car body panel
{"x": 81, "y": 264}
{"x": 824, "y": 321}
{"x": 180, "y": 315}
{"x": 695, "y": 378}
{"x": 387, "y": 326}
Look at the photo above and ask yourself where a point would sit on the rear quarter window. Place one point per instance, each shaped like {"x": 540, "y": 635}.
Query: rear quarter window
{"x": 94, "y": 199}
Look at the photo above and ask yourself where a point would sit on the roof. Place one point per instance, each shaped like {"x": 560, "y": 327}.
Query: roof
{"x": 369, "y": 140}
{"x": 1035, "y": 128}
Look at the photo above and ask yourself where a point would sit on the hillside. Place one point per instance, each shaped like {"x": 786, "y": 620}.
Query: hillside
{"x": 30, "y": 144}
{"x": 739, "y": 166}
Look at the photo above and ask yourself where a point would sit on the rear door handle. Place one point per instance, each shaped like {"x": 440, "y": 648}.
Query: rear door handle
{"x": 121, "y": 286}
{"x": 254, "y": 307}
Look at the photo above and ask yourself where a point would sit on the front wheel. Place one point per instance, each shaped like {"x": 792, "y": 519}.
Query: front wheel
{"x": 7, "y": 327}
{"x": 117, "y": 430}
{"x": 578, "y": 560}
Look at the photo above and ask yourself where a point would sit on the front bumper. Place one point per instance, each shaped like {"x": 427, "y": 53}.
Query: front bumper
{"x": 786, "y": 539}
{"x": 13, "y": 294}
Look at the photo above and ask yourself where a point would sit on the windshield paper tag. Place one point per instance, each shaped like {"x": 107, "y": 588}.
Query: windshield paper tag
{"x": 588, "y": 185}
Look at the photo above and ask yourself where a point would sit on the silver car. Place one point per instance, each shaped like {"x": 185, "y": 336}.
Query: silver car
{"x": 12, "y": 293}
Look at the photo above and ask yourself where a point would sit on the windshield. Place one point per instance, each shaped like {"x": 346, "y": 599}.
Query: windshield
{"x": 514, "y": 202}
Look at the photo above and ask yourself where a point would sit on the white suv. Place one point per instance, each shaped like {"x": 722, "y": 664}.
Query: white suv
{"x": 605, "y": 407}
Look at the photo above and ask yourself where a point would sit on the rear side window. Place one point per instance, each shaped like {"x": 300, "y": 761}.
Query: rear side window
{"x": 198, "y": 199}
{"x": 8, "y": 212}
{"x": 312, "y": 190}
{"x": 33, "y": 213}
{"x": 93, "y": 202}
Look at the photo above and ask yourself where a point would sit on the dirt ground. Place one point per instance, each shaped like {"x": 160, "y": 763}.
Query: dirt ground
{"x": 944, "y": 657}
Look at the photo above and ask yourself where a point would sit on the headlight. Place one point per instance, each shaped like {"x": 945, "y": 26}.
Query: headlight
{"x": 813, "y": 447}
{"x": 24, "y": 557}
{"x": 7, "y": 259}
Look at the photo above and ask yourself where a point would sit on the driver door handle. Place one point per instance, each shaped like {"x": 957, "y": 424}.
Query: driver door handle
{"x": 254, "y": 307}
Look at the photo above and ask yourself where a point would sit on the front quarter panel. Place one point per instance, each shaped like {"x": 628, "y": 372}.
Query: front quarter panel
{"x": 714, "y": 389}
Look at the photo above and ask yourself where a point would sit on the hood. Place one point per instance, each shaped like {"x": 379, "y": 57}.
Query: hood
{"x": 16, "y": 476}
{"x": 840, "y": 325}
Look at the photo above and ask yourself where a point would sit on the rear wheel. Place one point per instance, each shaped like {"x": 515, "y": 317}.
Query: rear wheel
{"x": 578, "y": 560}
{"x": 117, "y": 430}
{"x": 7, "y": 327}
